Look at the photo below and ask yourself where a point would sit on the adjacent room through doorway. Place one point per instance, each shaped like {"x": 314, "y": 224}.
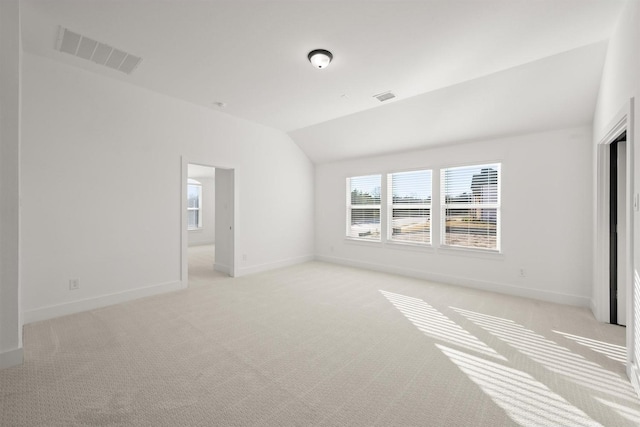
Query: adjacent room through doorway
{"x": 209, "y": 223}
{"x": 201, "y": 213}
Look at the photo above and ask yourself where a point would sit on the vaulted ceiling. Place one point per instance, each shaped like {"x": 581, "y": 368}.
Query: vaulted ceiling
{"x": 460, "y": 69}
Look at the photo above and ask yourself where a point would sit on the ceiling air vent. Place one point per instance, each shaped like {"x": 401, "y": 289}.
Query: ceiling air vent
{"x": 384, "y": 96}
{"x": 92, "y": 50}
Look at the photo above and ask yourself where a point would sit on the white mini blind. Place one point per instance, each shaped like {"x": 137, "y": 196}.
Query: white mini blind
{"x": 409, "y": 207}
{"x": 363, "y": 207}
{"x": 194, "y": 205}
{"x": 471, "y": 206}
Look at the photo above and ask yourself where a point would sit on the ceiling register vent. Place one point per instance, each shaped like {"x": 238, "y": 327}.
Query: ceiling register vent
{"x": 384, "y": 96}
{"x": 100, "y": 53}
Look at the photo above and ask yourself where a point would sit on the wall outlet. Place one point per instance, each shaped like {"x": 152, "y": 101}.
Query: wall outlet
{"x": 330, "y": 248}
{"x": 522, "y": 273}
{"x": 74, "y": 284}
{"x": 244, "y": 257}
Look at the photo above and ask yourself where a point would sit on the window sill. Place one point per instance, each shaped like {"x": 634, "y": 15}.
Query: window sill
{"x": 408, "y": 246}
{"x": 356, "y": 240}
{"x": 470, "y": 252}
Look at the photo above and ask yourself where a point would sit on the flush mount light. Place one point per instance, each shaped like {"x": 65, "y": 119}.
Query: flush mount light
{"x": 320, "y": 58}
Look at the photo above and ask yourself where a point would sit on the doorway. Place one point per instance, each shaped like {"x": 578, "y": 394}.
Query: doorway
{"x": 201, "y": 224}
{"x": 207, "y": 212}
{"x": 626, "y": 289}
{"x": 618, "y": 217}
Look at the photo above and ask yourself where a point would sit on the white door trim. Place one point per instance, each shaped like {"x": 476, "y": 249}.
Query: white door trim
{"x": 623, "y": 121}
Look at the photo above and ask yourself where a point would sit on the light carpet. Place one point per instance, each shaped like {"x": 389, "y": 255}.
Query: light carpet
{"x": 326, "y": 345}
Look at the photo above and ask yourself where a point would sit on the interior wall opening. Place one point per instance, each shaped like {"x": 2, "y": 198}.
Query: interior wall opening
{"x": 208, "y": 211}
{"x": 201, "y": 223}
{"x": 618, "y": 218}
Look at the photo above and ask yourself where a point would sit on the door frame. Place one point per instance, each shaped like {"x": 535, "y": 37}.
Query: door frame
{"x": 614, "y": 216}
{"x": 601, "y": 300}
{"x": 184, "y": 233}
{"x": 600, "y": 305}
{"x": 619, "y": 217}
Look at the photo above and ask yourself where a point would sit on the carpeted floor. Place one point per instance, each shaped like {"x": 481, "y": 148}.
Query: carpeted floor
{"x": 320, "y": 344}
{"x": 201, "y": 259}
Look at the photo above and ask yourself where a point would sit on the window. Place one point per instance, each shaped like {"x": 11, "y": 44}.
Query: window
{"x": 410, "y": 207}
{"x": 471, "y": 206}
{"x": 363, "y": 207}
{"x": 194, "y": 204}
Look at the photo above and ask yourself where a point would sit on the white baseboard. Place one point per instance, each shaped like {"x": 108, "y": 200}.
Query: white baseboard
{"x": 52, "y": 311}
{"x": 11, "y": 358}
{"x": 592, "y": 306}
{"x": 502, "y": 288}
{"x": 195, "y": 244}
{"x": 222, "y": 268}
{"x": 273, "y": 265}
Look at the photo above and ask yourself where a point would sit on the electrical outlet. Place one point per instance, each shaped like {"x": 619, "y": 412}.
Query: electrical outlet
{"x": 244, "y": 257}
{"x": 74, "y": 284}
{"x": 522, "y": 273}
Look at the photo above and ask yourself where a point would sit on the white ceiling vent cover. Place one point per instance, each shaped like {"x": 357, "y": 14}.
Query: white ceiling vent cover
{"x": 92, "y": 50}
{"x": 384, "y": 96}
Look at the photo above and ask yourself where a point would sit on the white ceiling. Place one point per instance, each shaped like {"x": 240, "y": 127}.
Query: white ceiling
{"x": 198, "y": 171}
{"x": 468, "y": 68}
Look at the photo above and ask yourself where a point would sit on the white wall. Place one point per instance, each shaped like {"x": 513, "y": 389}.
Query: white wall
{"x": 207, "y": 234}
{"x": 546, "y": 217}
{"x": 10, "y": 52}
{"x": 621, "y": 71}
{"x": 90, "y": 212}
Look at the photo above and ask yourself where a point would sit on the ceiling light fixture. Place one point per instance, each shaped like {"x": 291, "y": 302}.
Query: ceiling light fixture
{"x": 320, "y": 58}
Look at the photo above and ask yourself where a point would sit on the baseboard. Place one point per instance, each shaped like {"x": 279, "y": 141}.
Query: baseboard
{"x": 592, "y": 306}
{"x": 52, "y": 311}
{"x": 11, "y": 358}
{"x": 222, "y": 268}
{"x": 196, "y": 244}
{"x": 273, "y": 265}
{"x": 502, "y": 288}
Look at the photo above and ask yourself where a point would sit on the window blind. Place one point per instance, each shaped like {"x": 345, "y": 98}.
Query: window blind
{"x": 363, "y": 207}
{"x": 471, "y": 206}
{"x": 194, "y": 206}
{"x": 410, "y": 207}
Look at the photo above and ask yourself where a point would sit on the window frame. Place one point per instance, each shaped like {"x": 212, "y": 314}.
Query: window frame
{"x": 391, "y": 206}
{"x": 444, "y": 206}
{"x": 198, "y": 185}
{"x": 350, "y": 206}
